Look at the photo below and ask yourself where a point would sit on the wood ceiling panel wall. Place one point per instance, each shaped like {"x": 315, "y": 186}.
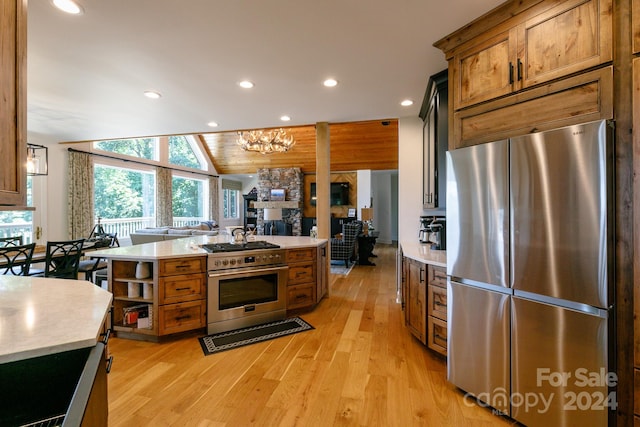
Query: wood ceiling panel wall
{"x": 357, "y": 145}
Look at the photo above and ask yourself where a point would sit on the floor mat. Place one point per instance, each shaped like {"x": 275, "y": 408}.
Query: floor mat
{"x": 240, "y": 337}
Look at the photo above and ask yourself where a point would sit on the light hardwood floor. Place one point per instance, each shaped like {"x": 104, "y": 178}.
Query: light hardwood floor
{"x": 359, "y": 367}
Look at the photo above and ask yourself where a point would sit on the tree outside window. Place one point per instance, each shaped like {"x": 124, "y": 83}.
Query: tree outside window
{"x": 182, "y": 153}
{"x": 124, "y": 193}
{"x": 143, "y": 148}
{"x": 19, "y": 223}
{"x": 189, "y": 200}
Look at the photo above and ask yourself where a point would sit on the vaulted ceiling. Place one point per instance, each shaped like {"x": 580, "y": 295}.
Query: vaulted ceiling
{"x": 357, "y": 145}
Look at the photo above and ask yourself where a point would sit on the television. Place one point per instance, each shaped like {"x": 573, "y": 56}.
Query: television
{"x": 338, "y": 194}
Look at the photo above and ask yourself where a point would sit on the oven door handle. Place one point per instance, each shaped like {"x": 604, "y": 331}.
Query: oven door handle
{"x": 253, "y": 271}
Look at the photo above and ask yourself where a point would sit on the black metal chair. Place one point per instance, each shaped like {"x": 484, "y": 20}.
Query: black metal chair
{"x": 11, "y": 241}
{"x": 16, "y": 260}
{"x": 90, "y": 266}
{"x": 62, "y": 259}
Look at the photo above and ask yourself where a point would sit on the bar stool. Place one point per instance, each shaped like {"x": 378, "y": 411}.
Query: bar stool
{"x": 91, "y": 266}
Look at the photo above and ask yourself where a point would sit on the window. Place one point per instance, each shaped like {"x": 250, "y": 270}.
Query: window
{"x": 143, "y": 148}
{"x": 126, "y": 189}
{"x": 19, "y": 223}
{"x": 124, "y": 197}
{"x": 230, "y": 203}
{"x": 231, "y": 199}
{"x": 183, "y": 151}
{"x": 189, "y": 200}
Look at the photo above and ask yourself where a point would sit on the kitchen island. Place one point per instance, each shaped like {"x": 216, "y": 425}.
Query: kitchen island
{"x": 162, "y": 288}
{"x": 52, "y": 355}
{"x": 41, "y": 316}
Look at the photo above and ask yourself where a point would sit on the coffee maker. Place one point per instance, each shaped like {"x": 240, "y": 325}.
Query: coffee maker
{"x": 433, "y": 232}
{"x": 423, "y": 234}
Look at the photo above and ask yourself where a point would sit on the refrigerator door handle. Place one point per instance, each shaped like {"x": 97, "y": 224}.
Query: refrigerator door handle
{"x": 571, "y": 305}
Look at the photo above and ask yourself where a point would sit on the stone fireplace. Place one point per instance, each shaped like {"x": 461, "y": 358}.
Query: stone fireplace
{"x": 290, "y": 180}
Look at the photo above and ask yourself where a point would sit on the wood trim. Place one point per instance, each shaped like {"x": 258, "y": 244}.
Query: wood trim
{"x": 635, "y": 26}
{"x": 496, "y": 17}
{"x": 585, "y": 97}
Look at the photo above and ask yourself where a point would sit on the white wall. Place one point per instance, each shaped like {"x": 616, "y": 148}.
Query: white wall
{"x": 385, "y": 205}
{"x": 409, "y": 178}
{"x": 363, "y": 198}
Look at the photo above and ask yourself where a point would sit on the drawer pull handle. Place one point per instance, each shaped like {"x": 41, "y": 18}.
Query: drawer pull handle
{"x": 438, "y": 303}
{"x": 300, "y": 296}
{"x": 440, "y": 337}
{"x": 183, "y": 289}
{"x": 109, "y": 363}
{"x": 183, "y": 317}
{"x": 105, "y": 336}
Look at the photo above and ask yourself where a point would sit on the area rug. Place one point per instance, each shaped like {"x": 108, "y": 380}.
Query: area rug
{"x": 339, "y": 268}
{"x": 240, "y": 337}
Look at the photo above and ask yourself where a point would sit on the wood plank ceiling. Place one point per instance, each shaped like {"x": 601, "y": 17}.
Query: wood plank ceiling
{"x": 356, "y": 145}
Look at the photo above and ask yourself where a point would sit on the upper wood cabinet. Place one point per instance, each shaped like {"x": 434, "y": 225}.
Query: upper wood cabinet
{"x": 536, "y": 46}
{"x": 13, "y": 102}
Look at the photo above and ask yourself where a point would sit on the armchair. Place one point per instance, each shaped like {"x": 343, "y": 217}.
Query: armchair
{"x": 344, "y": 249}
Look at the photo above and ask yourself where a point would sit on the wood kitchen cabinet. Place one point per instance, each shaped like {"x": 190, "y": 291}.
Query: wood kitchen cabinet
{"x": 424, "y": 299}
{"x": 322, "y": 286}
{"x": 437, "y": 309}
{"x": 541, "y": 44}
{"x": 13, "y": 102}
{"x": 176, "y": 303}
{"x": 415, "y": 298}
{"x": 301, "y": 283}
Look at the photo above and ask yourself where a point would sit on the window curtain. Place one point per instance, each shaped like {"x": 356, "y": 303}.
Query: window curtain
{"x": 80, "y": 199}
{"x": 164, "y": 197}
{"x": 214, "y": 199}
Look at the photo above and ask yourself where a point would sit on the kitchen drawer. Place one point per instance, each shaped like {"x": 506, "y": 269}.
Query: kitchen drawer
{"x": 437, "y": 335}
{"x": 182, "y": 317}
{"x": 169, "y": 267}
{"x": 300, "y": 296}
{"x": 186, "y": 287}
{"x": 438, "y": 276}
{"x": 301, "y": 273}
{"x": 303, "y": 254}
{"x": 437, "y": 302}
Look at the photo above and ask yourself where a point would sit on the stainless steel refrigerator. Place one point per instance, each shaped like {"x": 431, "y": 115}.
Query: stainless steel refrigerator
{"x": 529, "y": 233}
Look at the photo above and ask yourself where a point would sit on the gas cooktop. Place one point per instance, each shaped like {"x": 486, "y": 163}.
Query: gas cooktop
{"x": 235, "y": 247}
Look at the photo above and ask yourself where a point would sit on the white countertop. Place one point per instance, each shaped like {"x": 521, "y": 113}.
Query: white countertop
{"x": 190, "y": 247}
{"x": 40, "y": 316}
{"x": 423, "y": 253}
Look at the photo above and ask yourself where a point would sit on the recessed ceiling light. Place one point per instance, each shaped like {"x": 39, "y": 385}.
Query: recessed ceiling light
{"x": 152, "y": 94}
{"x": 285, "y": 118}
{"x": 212, "y": 124}
{"x": 330, "y": 82}
{"x": 68, "y": 6}
{"x": 406, "y": 103}
{"x": 246, "y": 84}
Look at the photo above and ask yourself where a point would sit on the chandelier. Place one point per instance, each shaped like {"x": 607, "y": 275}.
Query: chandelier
{"x": 265, "y": 141}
